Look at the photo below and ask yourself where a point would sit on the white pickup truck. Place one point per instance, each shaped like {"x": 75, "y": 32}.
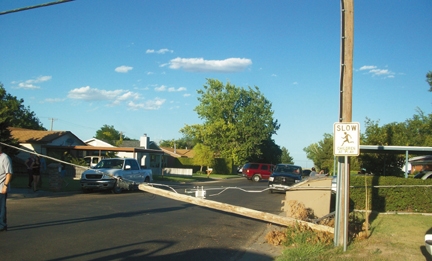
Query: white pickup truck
{"x": 115, "y": 174}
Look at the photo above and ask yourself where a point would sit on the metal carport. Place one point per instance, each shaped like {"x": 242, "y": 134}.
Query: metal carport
{"x": 397, "y": 150}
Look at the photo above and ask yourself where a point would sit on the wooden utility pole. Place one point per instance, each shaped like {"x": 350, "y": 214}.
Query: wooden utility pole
{"x": 250, "y": 213}
{"x": 52, "y": 122}
{"x": 345, "y": 115}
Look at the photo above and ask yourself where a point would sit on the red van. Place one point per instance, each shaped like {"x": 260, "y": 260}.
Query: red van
{"x": 257, "y": 171}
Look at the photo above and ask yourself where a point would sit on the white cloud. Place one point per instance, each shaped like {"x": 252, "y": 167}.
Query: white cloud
{"x": 161, "y": 88}
{"x": 123, "y": 69}
{"x": 160, "y": 51}
{"x": 30, "y": 84}
{"x": 375, "y": 71}
{"x": 186, "y": 95}
{"x": 180, "y": 89}
{"x": 53, "y": 100}
{"x": 154, "y": 104}
{"x": 200, "y": 65}
{"x": 115, "y": 97}
{"x": 367, "y": 67}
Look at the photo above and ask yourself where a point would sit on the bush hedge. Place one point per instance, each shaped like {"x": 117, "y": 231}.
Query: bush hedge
{"x": 401, "y": 195}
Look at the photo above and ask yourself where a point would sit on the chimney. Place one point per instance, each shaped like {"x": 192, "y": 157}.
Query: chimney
{"x": 144, "y": 141}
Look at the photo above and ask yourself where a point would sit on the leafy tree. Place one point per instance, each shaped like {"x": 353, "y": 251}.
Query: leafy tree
{"x": 237, "y": 121}
{"x": 388, "y": 164}
{"x": 204, "y": 156}
{"x": 19, "y": 116}
{"x": 270, "y": 153}
{"x": 321, "y": 153}
{"x": 14, "y": 114}
{"x": 110, "y": 135}
{"x": 285, "y": 157}
{"x": 182, "y": 143}
{"x": 429, "y": 80}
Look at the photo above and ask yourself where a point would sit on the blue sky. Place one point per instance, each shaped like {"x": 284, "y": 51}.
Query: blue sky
{"x": 137, "y": 64}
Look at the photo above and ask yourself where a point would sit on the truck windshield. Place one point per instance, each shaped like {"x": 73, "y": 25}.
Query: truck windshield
{"x": 110, "y": 164}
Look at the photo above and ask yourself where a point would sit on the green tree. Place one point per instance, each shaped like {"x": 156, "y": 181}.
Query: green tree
{"x": 110, "y": 135}
{"x": 270, "y": 153}
{"x": 13, "y": 113}
{"x": 321, "y": 153}
{"x": 429, "y": 80}
{"x": 204, "y": 156}
{"x": 388, "y": 164}
{"x": 18, "y": 115}
{"x": 286, "y": 157}
{"x": 237, "y": 121}
{"x": 182, "y": 143}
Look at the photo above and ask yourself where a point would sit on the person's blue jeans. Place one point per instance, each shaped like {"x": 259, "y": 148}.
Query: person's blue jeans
{"x": 3, "y": 224}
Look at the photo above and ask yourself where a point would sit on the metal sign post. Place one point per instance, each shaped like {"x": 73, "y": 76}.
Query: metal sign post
{"x": 346, "y": 142}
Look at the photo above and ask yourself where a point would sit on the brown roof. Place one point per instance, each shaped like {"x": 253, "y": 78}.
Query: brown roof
{"x": 37, "y": 136}
{"x": 179, "y": 152}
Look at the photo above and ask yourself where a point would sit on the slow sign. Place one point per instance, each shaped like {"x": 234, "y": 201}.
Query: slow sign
{"x": 346, "y": 140}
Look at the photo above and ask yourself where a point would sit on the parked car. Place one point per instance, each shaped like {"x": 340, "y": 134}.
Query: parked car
{"x": 115, "y": 174}
{"x": 92, "y": 161}
{"x": 284, "y": 176}
{"x": 423, "y": 175}
{"x": 257, "y": 171}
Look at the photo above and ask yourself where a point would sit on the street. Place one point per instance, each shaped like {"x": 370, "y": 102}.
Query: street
{"x": 135, "y": 225}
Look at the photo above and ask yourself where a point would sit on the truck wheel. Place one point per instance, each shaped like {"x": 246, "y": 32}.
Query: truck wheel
{"x": 256, "y": 178}
{"x": 116, "y": 189}
{"x": 147, "y": 180}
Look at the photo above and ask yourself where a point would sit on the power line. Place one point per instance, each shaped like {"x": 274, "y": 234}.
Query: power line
{"x": 34, "y": 6}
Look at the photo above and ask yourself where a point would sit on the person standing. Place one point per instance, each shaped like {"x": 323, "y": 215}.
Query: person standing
{"x": 5, "y": 179}
{"x": 29, "y": 165}
{"x": 313, "y": 173}
{"x": 36, "y": 173}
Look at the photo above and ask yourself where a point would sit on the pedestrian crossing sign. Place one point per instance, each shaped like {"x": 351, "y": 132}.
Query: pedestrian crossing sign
{"x": 346, "y": 139}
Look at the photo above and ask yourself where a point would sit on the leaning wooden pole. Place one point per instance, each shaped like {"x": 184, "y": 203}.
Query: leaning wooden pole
{"x": 267, "y": 217}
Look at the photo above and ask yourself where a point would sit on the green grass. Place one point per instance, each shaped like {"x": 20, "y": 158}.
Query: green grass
{"x": 392, "y": 237}
{"x": 21, "y": 181}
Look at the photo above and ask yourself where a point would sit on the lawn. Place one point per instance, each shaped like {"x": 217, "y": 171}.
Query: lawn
{"x": 21, "y": 181}
{"x": 392, "y": 237}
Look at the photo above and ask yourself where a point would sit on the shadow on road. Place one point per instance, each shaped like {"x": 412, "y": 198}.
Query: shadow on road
{"x": 144, "y": 252}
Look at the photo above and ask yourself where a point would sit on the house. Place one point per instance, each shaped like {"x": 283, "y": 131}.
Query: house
{"x": 420, "y": 163}
{"x": 44, "y": 142}
{"x": 145, "y": 151}
{"x": 61, "y": 144}
{"x": 41, "y": 142}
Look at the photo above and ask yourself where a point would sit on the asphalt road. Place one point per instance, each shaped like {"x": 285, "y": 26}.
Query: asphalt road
{"x": 136, "y": 226}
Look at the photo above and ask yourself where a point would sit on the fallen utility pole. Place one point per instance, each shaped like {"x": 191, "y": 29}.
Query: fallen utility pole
{"x": 267, "y": 217}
